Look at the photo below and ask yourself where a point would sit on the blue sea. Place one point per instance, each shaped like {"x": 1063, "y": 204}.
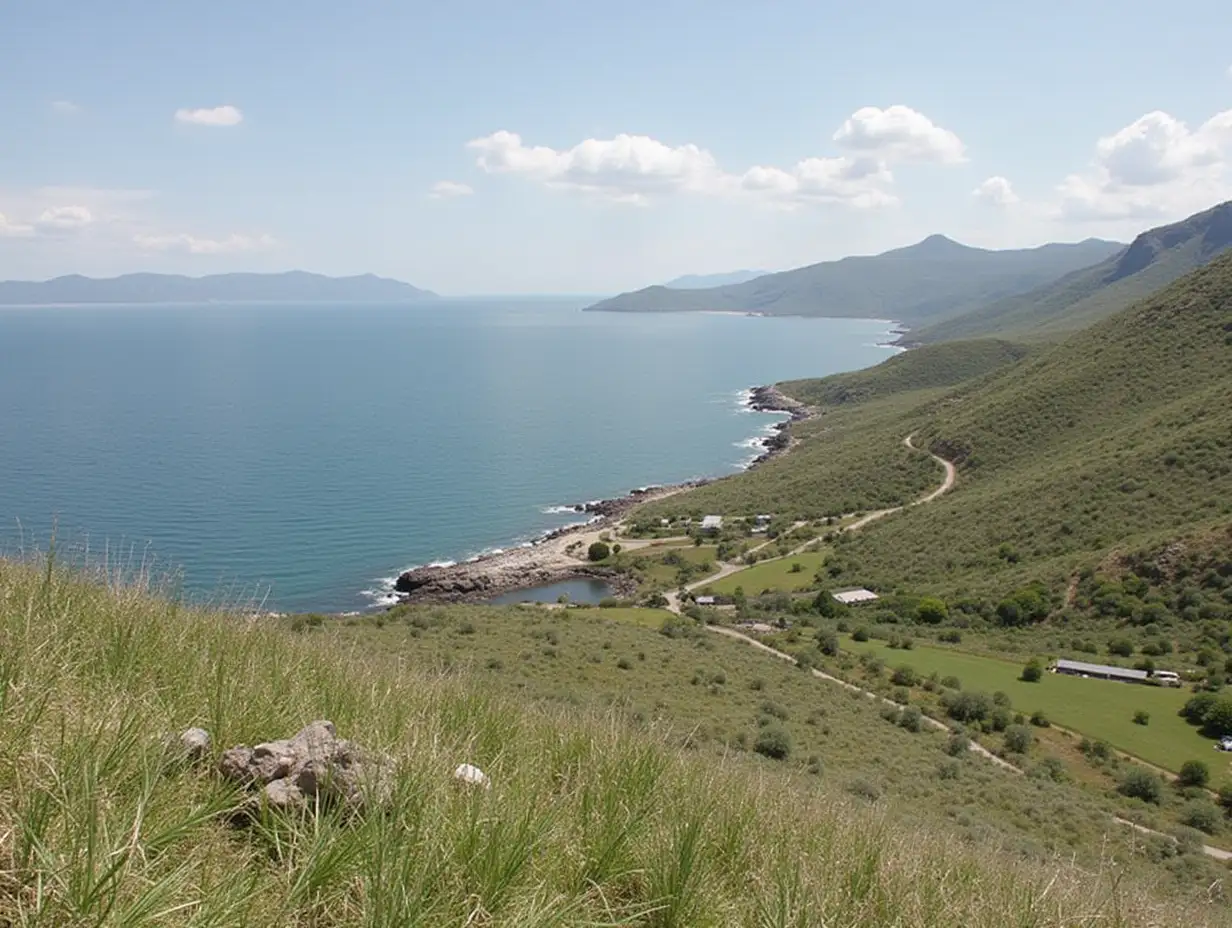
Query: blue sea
{"x": 301, "y": 456}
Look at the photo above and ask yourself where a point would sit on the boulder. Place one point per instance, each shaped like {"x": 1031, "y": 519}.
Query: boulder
{"x": 314, "y": 765}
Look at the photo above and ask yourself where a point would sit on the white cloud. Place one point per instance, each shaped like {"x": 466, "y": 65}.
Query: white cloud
{"x": 448, "y": 189}
{"x": 63, "y": 219}
{"x": 996, "y": 190}
{"x": 65, "y": 107}
{"x": 899, "y": 133}
{"x": 191, "y": 244}
{"x": 626, "y": 168}
{"x": 1153, "y": 168}
{"x": 216, "y": 116}
{"x": 637, "y": 168}
{"x": 10, "y": 229}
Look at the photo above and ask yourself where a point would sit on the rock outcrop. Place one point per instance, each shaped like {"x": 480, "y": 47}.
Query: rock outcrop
{"x": 314, "y": 766}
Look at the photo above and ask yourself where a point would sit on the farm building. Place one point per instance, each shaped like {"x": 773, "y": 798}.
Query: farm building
{"x": 712, "y": 523}
{"x": 705, "y": 600}
{"x": 851, "y": 597}
{"x": 1100, "y": 671}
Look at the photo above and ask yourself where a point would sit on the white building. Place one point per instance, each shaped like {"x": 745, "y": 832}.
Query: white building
{"x": 850, "y": 597}
{"x": 712, "y": 523}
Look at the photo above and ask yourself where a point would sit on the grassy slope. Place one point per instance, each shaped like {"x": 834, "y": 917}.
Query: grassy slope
{"x": 851, "y": 457}
{"x": 1154, "y": 260}
{"x": 932, "y": 280}
{"x": 1122, "y": 431}
{"x": 588, "y": 822}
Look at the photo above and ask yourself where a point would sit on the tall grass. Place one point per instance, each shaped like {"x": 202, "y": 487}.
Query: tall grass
{"x": 587, "y": 823}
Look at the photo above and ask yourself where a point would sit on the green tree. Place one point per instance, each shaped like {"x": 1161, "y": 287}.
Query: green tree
{"x": 598, "y": 551}
{"x": 931, "y": 611}
{"x": 1217, "y": 722}
{"x": 1033, "y": 672}
{"x": 1142, "y": 717}
{"x": 1203, "y": 815}
{"x": 1194, "y": 773}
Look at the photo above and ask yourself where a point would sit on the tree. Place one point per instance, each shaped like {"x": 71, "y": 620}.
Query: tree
{"x": 828, "y": 643}
{"x": 1142, "y": 717}
{"x": 1141, "y": 784}
{"x": 1122, "y": 647}
{"x": 904, "y": 675}
{"x": 1203, "y": 815}
{"x": 1033, "y": 672}
{"x": 1018, "y": 739}
{"x": 598, "y": 551}
{"x": 931, "y": 611}
{"x": 1194, "y": 773}
{"x": 1217, "y": 722}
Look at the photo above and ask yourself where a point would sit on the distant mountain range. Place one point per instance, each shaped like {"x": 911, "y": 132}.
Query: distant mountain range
{"x": 922, "y": 284}
{"x": 705, "y": 281}
{"x": 292, "y": 286}
{"x": 1154, "y": 259}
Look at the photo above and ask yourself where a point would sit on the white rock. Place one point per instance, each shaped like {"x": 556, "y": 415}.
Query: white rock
{"x": 472, "y": 776}
{"x": 195, "y": 743}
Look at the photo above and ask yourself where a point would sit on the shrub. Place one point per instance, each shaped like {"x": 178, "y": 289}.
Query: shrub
{"x": 1122, "y": 647}
{"x": 1218, "y": 719}
{"x": 1018, "y": 739}
{"x": 1033, "y": 671}
{"x": 1142, "y": 717}
{"x": 951, "y": 683}
{"x": 950, "y": 636}
{"x": 931, "y": 611}
{"x": 865, "y": 789}
{"x": 905, "y": 675}
{"x": 1039, "y": 719}
{"x": 774, "y": 742}
{"x": 948, "y": 770}
{"x": 860, "y": 634}
{"x": 1138, "y": 783}
{"x": 598, "y": 551}
{"x": 999, "y": 719}
{"x": 1194, "y": 773}
{"x": 958, "y": 745}
{"x": 967, "y": 707}
{"x": 1203, "y": 815}
{"x": 912, "y": 719}
{"x": 774, "y": 709}
{"x": 827, "y": 642}
{"x": 624, "y": 664}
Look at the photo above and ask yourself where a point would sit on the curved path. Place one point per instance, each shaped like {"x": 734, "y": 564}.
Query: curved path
{"x": 947, "y": 484}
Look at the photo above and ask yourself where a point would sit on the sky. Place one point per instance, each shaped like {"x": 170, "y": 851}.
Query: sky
{"x": 565, "y": 147}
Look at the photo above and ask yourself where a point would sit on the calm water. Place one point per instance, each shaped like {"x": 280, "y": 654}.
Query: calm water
{"x": 312, "y": 452}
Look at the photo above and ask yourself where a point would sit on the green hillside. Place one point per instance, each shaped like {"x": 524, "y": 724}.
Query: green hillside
{"x": 942, "y": 365}
{"x": 1116, "y": 441}
{"x": 932, "y": 280}
{"x": 1154, "y": 260}
{"x": 592, "y": 818}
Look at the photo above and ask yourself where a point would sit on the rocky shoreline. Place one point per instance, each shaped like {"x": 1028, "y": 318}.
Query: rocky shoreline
{"x": 560, "y": 554}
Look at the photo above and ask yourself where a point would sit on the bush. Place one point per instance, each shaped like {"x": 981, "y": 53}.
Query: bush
{"x": 1197, "y": 706}
{"x": 1218, "y": 719}
{"x": 774, "y": 742}
{"x": 951, "y": 683}
{"x": 1142, "y": 717}
{"x": 905, "y": 675}
{"x": 958, "y": 745}
{"x": 1033, "y": 672}
{"x": 967, "y": 707}
{"x": 1194, "y": 773}
{"x": 860, "y": 634}
{"x": 1122, "y": 647}
{"x": 931, "y": 611}
{"x": 1039, "y": 719}
{"x": 827, "y": 642}
{"x": 1018, "y": 739}
{"x": 912, "y": 719}
{"x": 1141, "y": 784}
{"x": 1203, "y": 815}
{"x": 598, "y": 551}
{"x": 624, "y": 664}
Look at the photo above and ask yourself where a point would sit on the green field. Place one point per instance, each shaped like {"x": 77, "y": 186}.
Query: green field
{"x": 646, "y": 618}
{"x": 774, "y": 575}
{"x": 1096, "y": 708}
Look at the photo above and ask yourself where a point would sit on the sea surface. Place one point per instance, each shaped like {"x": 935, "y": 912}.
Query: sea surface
{"x": 298, "y": 457}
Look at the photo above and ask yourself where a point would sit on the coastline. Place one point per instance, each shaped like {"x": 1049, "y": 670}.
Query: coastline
{"x": 560, "y": 554}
